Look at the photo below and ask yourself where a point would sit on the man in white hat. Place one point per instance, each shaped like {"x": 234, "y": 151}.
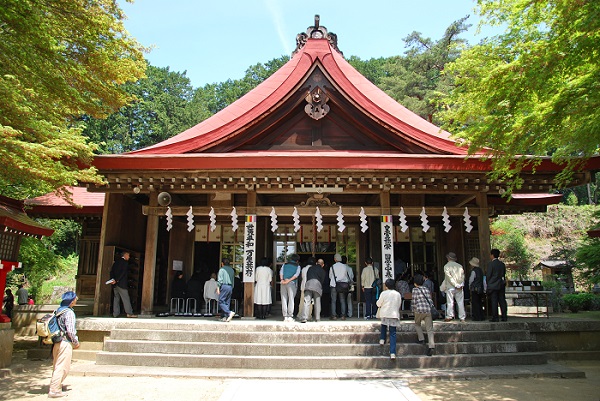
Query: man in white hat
{"x": 477, "y": 290}
{"x": 453, "y": 287}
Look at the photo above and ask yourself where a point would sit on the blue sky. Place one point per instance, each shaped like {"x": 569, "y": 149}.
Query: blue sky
{"x": 216, "y": 40}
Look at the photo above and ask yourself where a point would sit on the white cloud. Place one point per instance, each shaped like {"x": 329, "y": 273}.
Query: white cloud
{"x": 278, "y": 20}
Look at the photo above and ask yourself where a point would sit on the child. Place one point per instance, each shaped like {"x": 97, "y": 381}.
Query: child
{"x": 421, "y": 306}
{"x": 389, "y": 311}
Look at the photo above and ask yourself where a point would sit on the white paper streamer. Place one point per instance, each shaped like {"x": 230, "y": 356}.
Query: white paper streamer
{"x": 340, "y": 220}
{"x": 296, "y": 216}
{"x": 190, "y": 220}
{"x": 364, "y": 226}
{"x": 234, "y": 219}
{"x": 424, "y": 221}
{"x": 273, "y": 215}
{"x": 169, "y": 215}
{"x": 403, "y": 225}
{"x": 213, "y": 219}
{"x": 319, "y": 220}
{"x": 446, "y": 220}
{"x": 467, "y": 219}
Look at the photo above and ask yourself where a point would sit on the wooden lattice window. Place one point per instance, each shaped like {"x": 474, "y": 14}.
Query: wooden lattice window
{"x": 9, "y": 246}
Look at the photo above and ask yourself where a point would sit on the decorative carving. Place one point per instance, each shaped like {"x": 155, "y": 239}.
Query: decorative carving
{"x": 316, "y": 32}
{"x": 318, "y": 200}
{"x": 317, "y": 107}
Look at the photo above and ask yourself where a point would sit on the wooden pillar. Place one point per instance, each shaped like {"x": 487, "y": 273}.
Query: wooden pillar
{"x": 103, "y": 292}
{"x": 249, "y": 287}
{"x": 150, "y": 259}
{"x": 483, "y": 224}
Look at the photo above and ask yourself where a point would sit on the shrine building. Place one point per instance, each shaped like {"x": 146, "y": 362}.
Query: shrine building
{"x": 316, "y": 160}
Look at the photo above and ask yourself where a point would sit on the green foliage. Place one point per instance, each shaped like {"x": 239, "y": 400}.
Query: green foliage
{"x": 579, "y": 302}
{"x": 58, "y": 60}
{"x": 556, "y": 297}
{"x": 416, "y": 80}
{"x": 533, "y": 90}
{"x": 511, "y": 241}
{"x": 163, "y": 109}
{"x": 50, "y": 257}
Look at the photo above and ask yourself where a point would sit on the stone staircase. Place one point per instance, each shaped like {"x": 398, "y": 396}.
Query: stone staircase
{"x": 327, "y": 345}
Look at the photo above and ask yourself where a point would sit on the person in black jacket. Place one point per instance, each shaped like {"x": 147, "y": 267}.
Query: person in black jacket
{"x": 119, "y": 273}
{"x": 496, "y": 285}
{"x": 476, "y": 290}
{"x": 313, "y": 289}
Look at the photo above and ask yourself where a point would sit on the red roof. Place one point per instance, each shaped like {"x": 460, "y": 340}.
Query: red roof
{"x": 198, "y": 147}
{"x": 14, "y": 220}
{"x": 234, "y": 119}
{"x": 84, "y": 203}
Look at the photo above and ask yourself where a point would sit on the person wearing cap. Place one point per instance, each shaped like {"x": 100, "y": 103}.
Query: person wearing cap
{"x": 453, "y": 287}
{"x": 225, "y": 283}
{"x": 477, "y": 290}
{"x": 119, "y": 273}
{"x": 288, "y": 276}
{"x": 62, "y": 351}
{"x": 496, "y": 285}
{"x": 338, "y": 274}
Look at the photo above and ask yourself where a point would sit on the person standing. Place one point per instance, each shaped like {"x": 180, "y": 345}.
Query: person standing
{"x": 62, "y": 351}
{"x": 338, "y": 274}
{"x": 224, "y": 289}
{"x": 263, "y": 276}
{"x": 389, "y": 312}
{"x": 119, "y": 273}
{"x": 303, "y": 271}
{"x": 421, "y": 306}
{"x": 288, "y": 275}
{"x": 313, "y": 289}
{"x": 477, "y": 290}
{"x": 9, "y": 302}
{"x": 22, "y": 295}
{"x": 350, "y": 275}
{"x": 367, "y": 277}
{"x": 453, "y": 287}
{"x": 496, "y": 286}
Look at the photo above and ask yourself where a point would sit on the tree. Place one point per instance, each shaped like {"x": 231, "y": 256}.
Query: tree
{"x": 533, "y": 90}
{"x": 417, "y": 80}
{"x": 163, "y": 108}
{"x": 58, "y": 60}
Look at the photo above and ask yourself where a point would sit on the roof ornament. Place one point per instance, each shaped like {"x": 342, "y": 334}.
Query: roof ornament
{"x": 317, "y": 107}
{"x": 316, "y": 32}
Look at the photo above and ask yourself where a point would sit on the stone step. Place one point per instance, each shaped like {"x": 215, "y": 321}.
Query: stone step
{"x": 316, "y": 350}
{"x": 358, "y": 336}
{"x": 311, "y": 362}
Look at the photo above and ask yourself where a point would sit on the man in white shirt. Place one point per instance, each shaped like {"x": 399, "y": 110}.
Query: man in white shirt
{"x": 453, "y": 284}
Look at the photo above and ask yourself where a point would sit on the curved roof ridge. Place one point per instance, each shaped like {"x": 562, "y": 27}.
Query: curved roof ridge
{"x": 251, "y": 107}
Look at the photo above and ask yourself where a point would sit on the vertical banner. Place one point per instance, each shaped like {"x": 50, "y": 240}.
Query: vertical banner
{"x": 249, "y": 248}
{"x": 387, "y": 247}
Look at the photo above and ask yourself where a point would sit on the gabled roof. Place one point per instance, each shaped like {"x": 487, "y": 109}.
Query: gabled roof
{"x": 265, "y": 99}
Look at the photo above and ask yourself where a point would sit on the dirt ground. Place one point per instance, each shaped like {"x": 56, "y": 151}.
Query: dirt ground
{"x": 30, "y": 379}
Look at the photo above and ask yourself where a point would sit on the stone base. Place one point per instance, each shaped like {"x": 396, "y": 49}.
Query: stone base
{"x": 7, "y": 337}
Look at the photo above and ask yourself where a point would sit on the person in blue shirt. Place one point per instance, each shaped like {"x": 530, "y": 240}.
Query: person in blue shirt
{"x": 288, "y": 275}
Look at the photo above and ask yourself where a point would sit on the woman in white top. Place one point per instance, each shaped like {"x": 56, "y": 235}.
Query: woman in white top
{"x": 389, "y": 312}
{"x": 263, "y": 276}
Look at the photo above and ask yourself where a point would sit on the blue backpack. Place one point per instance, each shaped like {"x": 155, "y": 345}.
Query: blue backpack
{"x": 48, "y": 328}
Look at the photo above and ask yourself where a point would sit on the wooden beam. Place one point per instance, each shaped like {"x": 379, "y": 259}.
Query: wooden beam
{"x": 483, "y": 223}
